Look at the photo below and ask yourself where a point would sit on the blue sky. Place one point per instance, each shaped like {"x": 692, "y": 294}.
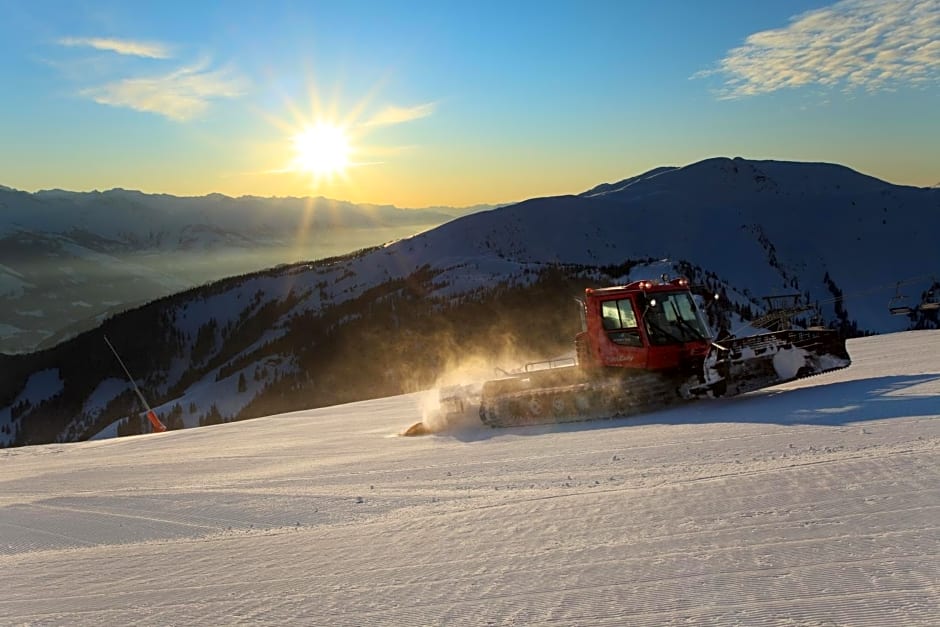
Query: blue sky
{"x": 458, "y": 103}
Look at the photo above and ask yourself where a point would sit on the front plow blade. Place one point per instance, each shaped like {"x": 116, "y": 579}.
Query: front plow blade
{"x": 750, "y": 363}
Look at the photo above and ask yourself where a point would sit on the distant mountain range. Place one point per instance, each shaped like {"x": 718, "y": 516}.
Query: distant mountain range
{"x": 495, "y": 285}
{"x": 69, "y": 259}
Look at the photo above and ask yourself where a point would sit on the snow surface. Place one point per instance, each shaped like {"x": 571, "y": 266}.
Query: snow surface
{"x": 106, "y": 391}
{"x": 12, "y": 284}
{"x": 813, "y": 503}
{"x": 8, "y": 330}
{"x": 41, "y": 386}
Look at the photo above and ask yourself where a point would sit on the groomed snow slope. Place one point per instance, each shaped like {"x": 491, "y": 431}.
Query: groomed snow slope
{"x": 815, "y": 503}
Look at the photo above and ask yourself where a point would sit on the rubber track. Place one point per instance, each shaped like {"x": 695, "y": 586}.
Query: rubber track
{"x": 592, "y": 400}
{"x": 816, "y": 374}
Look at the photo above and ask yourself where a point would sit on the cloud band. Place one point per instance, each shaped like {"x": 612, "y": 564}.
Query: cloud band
{"x": 857, "y": 44}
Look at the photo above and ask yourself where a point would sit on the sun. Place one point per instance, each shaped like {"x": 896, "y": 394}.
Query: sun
{"x": 321, "y": 150}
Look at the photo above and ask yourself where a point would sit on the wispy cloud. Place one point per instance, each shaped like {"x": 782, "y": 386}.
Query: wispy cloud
{"x": 856, "y": 44}
{"x": 397, "y": 115}
{"x": 180, "y": 95}
{"x": 150, "y": 50}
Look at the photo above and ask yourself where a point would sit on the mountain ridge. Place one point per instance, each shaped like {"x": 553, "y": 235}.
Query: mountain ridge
{"x": 392, "y": 318}
{"x": 69, "y": 258}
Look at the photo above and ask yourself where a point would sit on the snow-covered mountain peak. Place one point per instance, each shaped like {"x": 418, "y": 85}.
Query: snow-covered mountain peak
{"x": 723, "y": 177}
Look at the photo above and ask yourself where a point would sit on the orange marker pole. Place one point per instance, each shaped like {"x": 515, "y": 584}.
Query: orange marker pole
{"x": 158, "y": 426}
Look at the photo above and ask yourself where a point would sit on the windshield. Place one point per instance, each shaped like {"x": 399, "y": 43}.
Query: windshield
{"x": 673, "y": 317}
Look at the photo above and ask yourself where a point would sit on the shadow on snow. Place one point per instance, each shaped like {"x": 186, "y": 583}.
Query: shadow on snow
{"x": 829, "y": 404}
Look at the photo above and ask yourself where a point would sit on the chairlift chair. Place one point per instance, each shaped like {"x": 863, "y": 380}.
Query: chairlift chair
{"x": 898, "y": 304}
{"x": 931, "y": 301}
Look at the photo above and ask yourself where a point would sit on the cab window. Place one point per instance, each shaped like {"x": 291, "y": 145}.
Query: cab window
{"x": 619, "y": 320}
{"x": 618, "y": 314}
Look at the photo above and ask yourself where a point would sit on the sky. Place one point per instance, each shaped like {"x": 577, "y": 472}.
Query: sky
{"x": 447, "y": 103}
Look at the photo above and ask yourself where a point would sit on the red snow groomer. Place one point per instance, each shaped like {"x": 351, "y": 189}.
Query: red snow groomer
{"x": 645, "y": 346}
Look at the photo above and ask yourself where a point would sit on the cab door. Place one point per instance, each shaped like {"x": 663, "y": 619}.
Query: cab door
{"x": 622, "y": 342}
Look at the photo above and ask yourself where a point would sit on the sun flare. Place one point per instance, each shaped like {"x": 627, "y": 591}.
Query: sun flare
{"x": 321, "y": 150}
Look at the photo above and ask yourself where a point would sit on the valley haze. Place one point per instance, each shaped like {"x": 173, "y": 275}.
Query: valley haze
{"x": 68, "y": 260}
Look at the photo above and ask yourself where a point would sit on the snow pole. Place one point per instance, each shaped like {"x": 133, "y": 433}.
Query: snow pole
{"x": 158, "y": 426}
